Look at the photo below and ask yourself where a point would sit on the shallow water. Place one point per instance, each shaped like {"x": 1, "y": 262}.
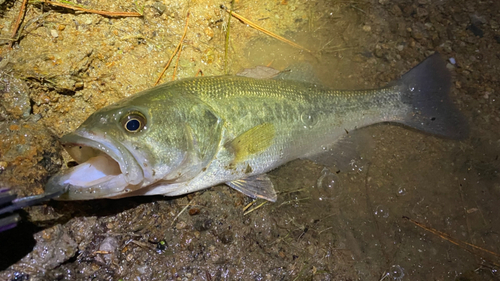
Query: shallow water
{"x": 339, "y": 223}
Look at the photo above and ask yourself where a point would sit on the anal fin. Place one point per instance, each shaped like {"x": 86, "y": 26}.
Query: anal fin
{"x": 343, "y": 152}
{"x": 259, "y": 186}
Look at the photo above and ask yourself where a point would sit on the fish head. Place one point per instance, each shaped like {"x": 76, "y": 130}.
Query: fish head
{"x": 124, "y": 148}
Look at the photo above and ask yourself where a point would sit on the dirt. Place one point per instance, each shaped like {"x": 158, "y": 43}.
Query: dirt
{"x": 327, "y": 224}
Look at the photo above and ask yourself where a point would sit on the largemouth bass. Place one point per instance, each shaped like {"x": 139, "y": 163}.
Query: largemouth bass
{"x": 195, "y": 133}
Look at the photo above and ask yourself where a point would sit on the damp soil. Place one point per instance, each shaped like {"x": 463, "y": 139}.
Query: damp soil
{"x": 327, "y": 224}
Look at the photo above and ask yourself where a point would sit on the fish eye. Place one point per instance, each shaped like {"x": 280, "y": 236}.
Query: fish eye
{"x": 133, "y": 122}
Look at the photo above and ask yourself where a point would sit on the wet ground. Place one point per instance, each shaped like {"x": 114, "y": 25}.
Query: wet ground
{"x": 327, "y": 224}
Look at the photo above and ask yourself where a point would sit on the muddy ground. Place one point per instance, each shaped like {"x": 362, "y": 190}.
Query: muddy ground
{"x": 326, "y": 224}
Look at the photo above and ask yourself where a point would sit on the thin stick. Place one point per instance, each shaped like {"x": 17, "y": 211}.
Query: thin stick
{"x": 253, "y": 209}
{"x": 182, "y": 211}
{"x": 263, "y": 30}
{"x": 226, "y": 45}
{"x": 102, "y": 13}
{"x": 20, "y": 16}
{"x": 177, "y": 62}
{"x": 447, "y": 237}
{"x": 248, "y": 205}
{"x": 176, "y": 49}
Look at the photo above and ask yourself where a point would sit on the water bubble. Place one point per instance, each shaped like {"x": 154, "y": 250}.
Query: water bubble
{"x": 401, "y": 191}
{"x": 309, "y": 119}
{"x": 355, "y": 166}
{"x": 381, "y": 211}
{"x": 327, "y": 179}
{"x": 396, "y": 272}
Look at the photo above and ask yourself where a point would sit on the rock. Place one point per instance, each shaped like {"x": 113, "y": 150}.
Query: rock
{"x": 31, "y": 154}
{"x": 421, "y": 12}
{"x": 226, "y": 237}
{"x": 14, "y": 95}
{"x": 379, "y": 53}
{"x": 396, "y": 10}
{"x": 159, "y": 7}
{"x": 54, "y": 246}
{"x": 54, "y": 33}
{"x": 476, "y": 30}
{"x": 494, "y": 24}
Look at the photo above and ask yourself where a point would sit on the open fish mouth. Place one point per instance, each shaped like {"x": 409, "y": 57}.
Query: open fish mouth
{"x": 105, "y": 169}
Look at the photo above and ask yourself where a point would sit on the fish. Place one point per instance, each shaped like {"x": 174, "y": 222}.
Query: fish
{"x": 191, "y": 134}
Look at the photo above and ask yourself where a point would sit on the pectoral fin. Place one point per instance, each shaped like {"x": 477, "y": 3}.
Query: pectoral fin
{"x": 259, "y": 186}
{"x": 253, "y": 141}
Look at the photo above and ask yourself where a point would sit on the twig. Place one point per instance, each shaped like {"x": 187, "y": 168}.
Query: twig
{"x": 102, "y": 13}
{"x": 177, "y": 62}
{"x": 20, "y": 16}
{"x": 23, "y": 27}
{"x": 175, "y": 51}
{"x": 447, "y": 237}
{"x": 253, "y": 209}
{"x": 248, "y": 205}
{"x": 263, "y": 30}
{"x": 182, "y": 211}
{"x": 226, "y": 45}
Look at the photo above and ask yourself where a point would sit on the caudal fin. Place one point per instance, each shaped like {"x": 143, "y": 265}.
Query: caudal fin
{"x": 425, "y": 88}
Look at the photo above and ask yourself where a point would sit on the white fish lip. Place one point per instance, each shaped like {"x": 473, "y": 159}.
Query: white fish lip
{"x": 106, "y": 168}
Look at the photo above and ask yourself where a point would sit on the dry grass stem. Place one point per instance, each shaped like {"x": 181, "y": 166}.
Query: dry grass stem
{"x": 18, "y": 21}
{"x": 102, "y": 13}
{"x": 448, "y": 238}
{"x": 265, "y": 31}
{"x": 182, "y": 211}
{"x": 177, "y": 62}
{"x": 248, "y": 205}
{"x": 253, "y": 209}
{"x": 175, "y": 51}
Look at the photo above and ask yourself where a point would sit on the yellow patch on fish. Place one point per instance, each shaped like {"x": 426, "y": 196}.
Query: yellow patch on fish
{"x": 251, "y": 142}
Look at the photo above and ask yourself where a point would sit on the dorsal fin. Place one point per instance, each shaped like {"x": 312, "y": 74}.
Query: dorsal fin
{"x": 300, "y": 71}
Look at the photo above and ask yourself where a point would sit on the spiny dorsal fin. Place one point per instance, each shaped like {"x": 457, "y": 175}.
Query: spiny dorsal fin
{"x": 259, "y": 72}
{"x": 301, "y": 72}
{"x": 259, "y": 186}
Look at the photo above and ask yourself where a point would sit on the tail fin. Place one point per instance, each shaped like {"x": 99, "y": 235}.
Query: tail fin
{"x": 425, "y": 88}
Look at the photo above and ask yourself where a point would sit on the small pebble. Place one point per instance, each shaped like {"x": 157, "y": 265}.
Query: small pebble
{"x": 181, "y": 225}
{"x": 194, "y": 211}
{"x": 54, "y": 33}
{"x": 421, "y": 12}
{"x": 109, "y": 244}
{"x": 452, "y": 60}
{"x": 367, "y": 28}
